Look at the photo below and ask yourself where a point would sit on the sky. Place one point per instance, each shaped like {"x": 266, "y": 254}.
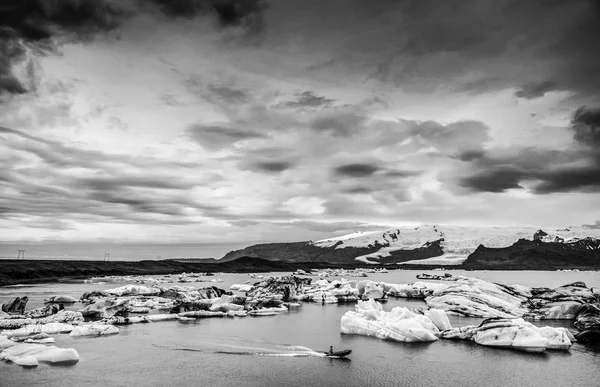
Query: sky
{"x": 193, "y": 127}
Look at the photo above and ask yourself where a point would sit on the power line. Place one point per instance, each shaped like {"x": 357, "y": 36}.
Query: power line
{"x": 21, "y": 254}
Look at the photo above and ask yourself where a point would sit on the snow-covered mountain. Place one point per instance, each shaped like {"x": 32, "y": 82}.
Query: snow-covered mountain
{"x": 456, "y": 242}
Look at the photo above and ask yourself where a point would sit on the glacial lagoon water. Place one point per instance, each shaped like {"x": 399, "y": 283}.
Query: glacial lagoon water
{"x": 276, "y": 350}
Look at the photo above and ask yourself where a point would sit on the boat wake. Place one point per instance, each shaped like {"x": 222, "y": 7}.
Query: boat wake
{"x": 229, "y": 349}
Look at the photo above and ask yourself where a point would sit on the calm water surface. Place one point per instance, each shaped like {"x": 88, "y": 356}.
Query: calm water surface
{"x": 265, "y": 351}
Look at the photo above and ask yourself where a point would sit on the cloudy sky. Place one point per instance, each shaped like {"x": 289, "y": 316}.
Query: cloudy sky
{"x": 214, "y": 124}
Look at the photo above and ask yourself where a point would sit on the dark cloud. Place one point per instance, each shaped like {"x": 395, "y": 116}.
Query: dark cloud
{"x": 108, "y": 183}
{"x": 594, "y": 226}
{"x": 218, "y": 137}
{"x": 342, "y": 123}
{"x": 569, "y": 179}
{"x": 271, "y": 166}
{"x": 356, "y": 170}
{"x": 498, "y": 179}
{"x": 36, "y": 21}
{"x": 229, "y": 94}
{"x": 358, "y": 190}
{"x": 483, "y": 46}
{"x": 243, "y": 13}
{"x": 401, "y": 173}
{"x": 546, "y": 171}
{"x": 586, "y": 125}
{"x": 308, "y": 100}
{"x": 535, "y": 90}
{"x": 10, "y": 84}
{"x": 470, "y": 155}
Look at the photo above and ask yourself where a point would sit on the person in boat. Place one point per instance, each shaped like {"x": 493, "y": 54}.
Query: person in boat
{"x": 331, "y": 349}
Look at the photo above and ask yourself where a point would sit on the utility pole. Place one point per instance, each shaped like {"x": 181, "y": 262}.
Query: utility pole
{"x": 106, "y": 257}
{"x": 21, "y": 254}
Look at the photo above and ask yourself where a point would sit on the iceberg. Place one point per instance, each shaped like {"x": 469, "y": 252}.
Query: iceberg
{"x": 478, "y": 298}
{"x": 225, "y": 304}
{"x": 416, "y": 290}
{"x": 399, "y": 324}
{"x": 103, "y": 308}
{"x": 29, "y": 355}
{"x": 60, "y": 300}
{"x": 133, "y": 290}
{"x": 241, "y": 287}
{"x": 50, "y": 328}
{"x": 94, "y": 330}
{"x": 513, "y": 333}
{"x": 439, "y": 319}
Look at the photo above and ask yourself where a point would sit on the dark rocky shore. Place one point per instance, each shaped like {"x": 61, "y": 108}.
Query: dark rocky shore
{"x": 36, "y": 271}
{"x": 523, "y": 255}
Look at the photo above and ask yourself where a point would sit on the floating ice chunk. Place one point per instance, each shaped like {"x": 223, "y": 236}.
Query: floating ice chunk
{"x": 513, "y": 333}
{"x": 61, "y": 299}
{"x": 50, "y": 328}
{"x": 241, "y": 287}
{"x": 29, "y": 354}
{"x": 94, "y": 330}
{"x": 26, "y": 361}
{"x": 400, "y": 324}
{"x": 133, "y": 290}
{"x": 439, "y": 318}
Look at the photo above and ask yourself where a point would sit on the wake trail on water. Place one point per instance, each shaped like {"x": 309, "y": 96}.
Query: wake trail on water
{"x": 229, "y": 349}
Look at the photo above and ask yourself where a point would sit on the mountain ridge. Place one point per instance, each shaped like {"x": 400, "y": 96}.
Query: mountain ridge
{"x": 441, "y": 245}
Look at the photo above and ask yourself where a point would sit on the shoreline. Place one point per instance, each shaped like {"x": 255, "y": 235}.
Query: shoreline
{"x": 14, "y": 271}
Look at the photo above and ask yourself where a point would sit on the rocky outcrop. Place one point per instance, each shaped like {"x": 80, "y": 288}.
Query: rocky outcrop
{"x": 16, "y": 306}
{"x": 513, "y": 333}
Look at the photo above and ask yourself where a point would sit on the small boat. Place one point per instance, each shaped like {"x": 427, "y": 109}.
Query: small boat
{"x": 338, "y": 354}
